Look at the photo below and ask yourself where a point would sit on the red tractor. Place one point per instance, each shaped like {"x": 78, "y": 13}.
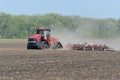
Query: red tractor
{"x": 43, "y": 40}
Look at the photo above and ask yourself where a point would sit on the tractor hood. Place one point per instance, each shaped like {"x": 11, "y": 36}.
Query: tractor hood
{"x": 36, "y": 36}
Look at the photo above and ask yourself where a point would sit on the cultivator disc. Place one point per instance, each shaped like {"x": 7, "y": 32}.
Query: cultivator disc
{"x": 88, "y": 47}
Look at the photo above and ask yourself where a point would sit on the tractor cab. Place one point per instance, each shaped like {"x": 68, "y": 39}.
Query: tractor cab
{"x": 44, "y": 32}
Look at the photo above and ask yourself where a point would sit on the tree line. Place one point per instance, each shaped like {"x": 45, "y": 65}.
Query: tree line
{"x": 22, "y": 26}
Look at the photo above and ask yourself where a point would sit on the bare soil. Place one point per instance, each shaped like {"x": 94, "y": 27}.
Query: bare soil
{"x": 18, "y": 63}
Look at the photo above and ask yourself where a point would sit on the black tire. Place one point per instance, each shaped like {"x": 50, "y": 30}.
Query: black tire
{"x": 44, "y": 45}
{"x": 58, "y": 45}
{"x": 29, "y": 47}
{"x": 33, "y": 46}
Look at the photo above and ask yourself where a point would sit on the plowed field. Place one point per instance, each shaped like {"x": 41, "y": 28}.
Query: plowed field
{"x": 17, "y": 63}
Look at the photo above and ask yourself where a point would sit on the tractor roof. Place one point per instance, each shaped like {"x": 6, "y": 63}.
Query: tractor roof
{"x": 43, "y": 29}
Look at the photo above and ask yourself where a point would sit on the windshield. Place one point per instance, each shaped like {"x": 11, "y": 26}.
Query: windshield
{"x": 46, "y": 33}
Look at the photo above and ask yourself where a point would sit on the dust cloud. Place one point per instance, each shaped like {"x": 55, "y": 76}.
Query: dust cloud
{"x": 66, "y": 37}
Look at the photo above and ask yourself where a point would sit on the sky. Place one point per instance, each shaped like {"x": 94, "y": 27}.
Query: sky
{"x": 84, "y": 8}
